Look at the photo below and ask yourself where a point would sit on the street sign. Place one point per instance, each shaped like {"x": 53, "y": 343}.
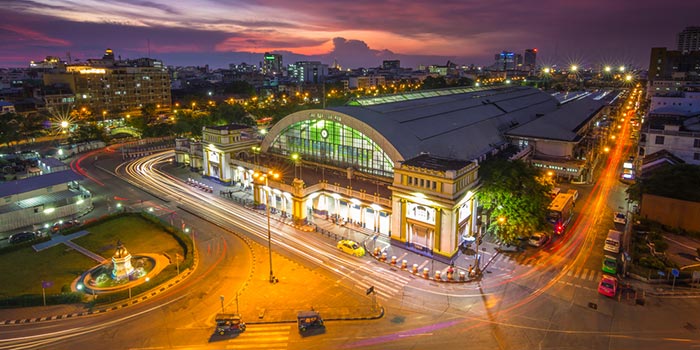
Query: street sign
{"x": 675, "y": 272}
{"x": 370, "y": 290}
{"x": 661, "y": 273}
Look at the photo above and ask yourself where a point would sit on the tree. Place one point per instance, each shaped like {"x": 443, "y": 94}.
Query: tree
{"x": 514, "y": 198}
{"x": 226, "y": 113}
{"x": 434, "y": 83}
{"x": 680, "y": 181}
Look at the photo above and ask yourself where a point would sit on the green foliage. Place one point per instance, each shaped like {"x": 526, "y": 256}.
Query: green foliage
{"x": 88, "y": 132}
{"x": 15, "y": 127}
{"x": 652, "y": 262}
{"x": 660, "y": 246}
{"x": 225, "y": 113}
{"x": 681, "y": 181}
{"x": 510, "y": 191}
{"x": 434, "y": 83}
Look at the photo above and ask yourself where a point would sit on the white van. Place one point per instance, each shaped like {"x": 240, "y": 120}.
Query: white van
{"x": 612, "y": 243}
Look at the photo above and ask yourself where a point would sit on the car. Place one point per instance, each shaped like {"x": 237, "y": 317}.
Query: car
{"x": 351, "y": 247}
{"x": 22, "y": 237}
{"x": 229, "y": 323}
{"x": 309, "y": 319}
{"x": 64, "y": 225}
{"x": 538, "y": 239}
{"x": 609, "y": 264}
{"x": 620, "y": 218}
{"x": 608, "y": 286}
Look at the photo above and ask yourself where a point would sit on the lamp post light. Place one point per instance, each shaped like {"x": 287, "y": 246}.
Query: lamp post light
{"x": 262, "y": 176}
{"x": 222, "y": 303}
{"x": 297, "y": 160}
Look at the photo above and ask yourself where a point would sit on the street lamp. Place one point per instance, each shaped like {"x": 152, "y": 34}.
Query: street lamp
{"x": 261, "y": 176}
{"x": 297, "y": 159}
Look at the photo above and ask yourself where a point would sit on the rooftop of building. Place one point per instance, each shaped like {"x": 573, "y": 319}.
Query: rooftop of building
{"x": 427, "y": 161}
{"x": 10, "y": 188}
{"x": 460, "y": 123}
{"x": 51, "y": 162}
{"x": 229, "y": 127}
{"x": 565, "y": 122}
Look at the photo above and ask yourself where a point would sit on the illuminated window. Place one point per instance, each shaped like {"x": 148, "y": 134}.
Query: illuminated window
{"x": 330, "y": 142}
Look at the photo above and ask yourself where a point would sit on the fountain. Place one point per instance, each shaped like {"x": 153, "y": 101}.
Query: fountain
{"x": 122, "y": 262}
{"x": 122, "y": 271}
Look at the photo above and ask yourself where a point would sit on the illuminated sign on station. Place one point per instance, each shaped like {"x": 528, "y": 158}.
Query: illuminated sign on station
{"x": 93, "y": 71}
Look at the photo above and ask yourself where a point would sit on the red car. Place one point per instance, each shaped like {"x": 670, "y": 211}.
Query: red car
{"x": 608, "y": 286}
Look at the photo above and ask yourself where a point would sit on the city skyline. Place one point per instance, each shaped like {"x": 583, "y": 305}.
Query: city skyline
{"x": 357, "y": 34}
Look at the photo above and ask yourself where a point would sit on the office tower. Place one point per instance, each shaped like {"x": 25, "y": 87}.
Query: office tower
{"x": 272, "y": 64}
{"x": 689, "y": 40}
{"x": 530, "y": 60}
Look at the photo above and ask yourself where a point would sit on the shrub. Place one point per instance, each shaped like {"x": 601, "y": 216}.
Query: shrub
{"x": 652, "y": 263}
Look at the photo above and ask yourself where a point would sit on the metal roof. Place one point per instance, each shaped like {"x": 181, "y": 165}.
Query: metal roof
{"x": 564, "y": 122}
{"x": 454, "y": 125}
{"x": 10, "y": 188}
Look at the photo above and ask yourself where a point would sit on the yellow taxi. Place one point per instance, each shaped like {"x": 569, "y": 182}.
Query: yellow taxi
{"x": 351, "y": 247}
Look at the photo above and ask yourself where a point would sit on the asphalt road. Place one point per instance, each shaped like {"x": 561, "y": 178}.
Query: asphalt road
{"x": 540, "y": 299}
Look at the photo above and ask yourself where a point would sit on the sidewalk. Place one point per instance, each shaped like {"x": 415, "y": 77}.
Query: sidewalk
{"x": 369, "y": 239}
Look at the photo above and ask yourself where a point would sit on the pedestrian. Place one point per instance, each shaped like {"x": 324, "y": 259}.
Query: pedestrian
{"x": 469, "y": 273}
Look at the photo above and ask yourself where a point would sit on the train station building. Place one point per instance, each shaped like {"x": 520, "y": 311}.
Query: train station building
{"x": 404, "y": 166}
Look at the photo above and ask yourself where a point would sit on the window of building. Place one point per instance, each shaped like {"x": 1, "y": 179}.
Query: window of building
{"x": 331, "y": 142}
{"x": 696, "y": 156}
{"x": 659, "y": 140}
{"x": 696, "y": 143}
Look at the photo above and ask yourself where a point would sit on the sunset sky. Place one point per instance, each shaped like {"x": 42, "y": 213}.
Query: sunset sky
{"x": 359, "y": 33}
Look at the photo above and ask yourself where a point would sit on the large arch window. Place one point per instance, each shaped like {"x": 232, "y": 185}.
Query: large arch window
{"x": 333, "y": 143}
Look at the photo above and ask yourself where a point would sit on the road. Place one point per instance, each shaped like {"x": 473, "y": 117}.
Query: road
{"x": 541, "y": 299}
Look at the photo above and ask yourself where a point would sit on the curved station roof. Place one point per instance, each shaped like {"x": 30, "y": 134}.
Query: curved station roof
{"x": 460, "y": 123}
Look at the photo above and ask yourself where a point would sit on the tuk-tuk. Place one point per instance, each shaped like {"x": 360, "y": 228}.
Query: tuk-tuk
{"x": 229, "y": 323}
{"x": 309, "y": 319}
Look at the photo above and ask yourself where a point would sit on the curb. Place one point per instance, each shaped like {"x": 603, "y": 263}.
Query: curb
{"x": 117, "y": 305}
{"x": 361, "y": 318}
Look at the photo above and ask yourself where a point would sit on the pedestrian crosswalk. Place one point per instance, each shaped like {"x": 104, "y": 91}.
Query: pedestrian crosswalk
{"x": 519, "y": 259}
{"x": 584, "y": 273}
{"x": 576, "y": 272}
{"x": 263, "y": 336}
{"x": 385, "y": 287}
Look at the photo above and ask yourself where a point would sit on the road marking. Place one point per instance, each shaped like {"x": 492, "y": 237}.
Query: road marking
{"x": 270, "y": 337}
{"x": 593, "y": 275}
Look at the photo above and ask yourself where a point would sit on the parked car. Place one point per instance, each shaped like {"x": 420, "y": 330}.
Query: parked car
{"x": 538, "y": 239}
{"x": 608, "y": 286}
{"x": 64, "y": 225}
{"x": 229, "y": 323}
{"x": 21, "y": 237}
{"x": 351, "y": 247}
{"x": 609, "y": 264}
{"x": 620, "y": 218}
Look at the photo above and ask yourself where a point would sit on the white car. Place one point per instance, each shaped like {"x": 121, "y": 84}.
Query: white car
{"x": 538, "y": 239}
{"x": 620, "y": 218}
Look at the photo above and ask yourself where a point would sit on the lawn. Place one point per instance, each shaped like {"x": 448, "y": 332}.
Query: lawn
{"x": 138, "y": 235}
{"x": 22, "y": 271}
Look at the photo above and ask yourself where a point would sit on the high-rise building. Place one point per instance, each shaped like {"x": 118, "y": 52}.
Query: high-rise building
{"x": 507, "y": 61}
{"x": 272, "y": 64}
{"x": 689, "y": 40}
{"x": 530, "y": 60}
{"x": 391, "y": 64}
{"x": 664, "y": 64}
{"x": 106, "y": 85}
{"x": 308, "y": 71}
